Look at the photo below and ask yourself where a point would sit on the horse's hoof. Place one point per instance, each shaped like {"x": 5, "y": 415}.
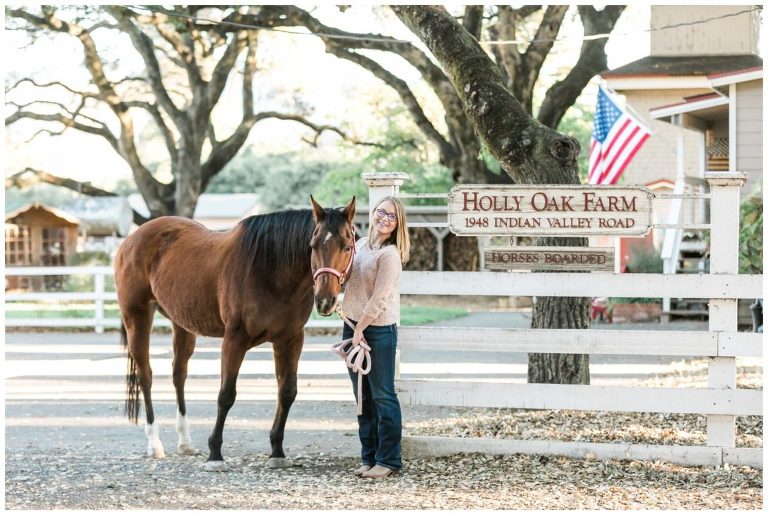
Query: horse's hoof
{"x": 157, "y": 453}
{"x": 215, "y": 466}
{"x": 279, "y": 463}
{"x": 186, "y": 449}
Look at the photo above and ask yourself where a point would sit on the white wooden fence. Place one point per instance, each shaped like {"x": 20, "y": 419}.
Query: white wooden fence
{"x": 86, "y": 300}
{"x": 720, "y": 402}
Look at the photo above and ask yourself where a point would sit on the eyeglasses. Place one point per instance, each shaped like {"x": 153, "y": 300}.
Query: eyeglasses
{"x": 392, "y": 217}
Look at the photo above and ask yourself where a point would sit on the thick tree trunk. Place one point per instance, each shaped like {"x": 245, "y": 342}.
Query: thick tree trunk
{"x": 560, "y": 313}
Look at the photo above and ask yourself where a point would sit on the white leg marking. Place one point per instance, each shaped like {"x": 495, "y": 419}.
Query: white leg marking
{"x": 185, "y": 440}
{"x": 154, "y": 445}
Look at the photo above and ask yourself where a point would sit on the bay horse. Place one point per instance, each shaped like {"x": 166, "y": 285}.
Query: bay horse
{"x": 252, "y": 284}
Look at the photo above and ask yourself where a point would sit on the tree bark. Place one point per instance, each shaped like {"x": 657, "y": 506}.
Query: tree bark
{"x": 560, "y": 313}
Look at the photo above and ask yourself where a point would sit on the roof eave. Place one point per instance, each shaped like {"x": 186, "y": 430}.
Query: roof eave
{"x": 663, "y": 112}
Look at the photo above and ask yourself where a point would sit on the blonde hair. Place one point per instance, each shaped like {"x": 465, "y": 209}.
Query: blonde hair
{"x": 399, "y": 236}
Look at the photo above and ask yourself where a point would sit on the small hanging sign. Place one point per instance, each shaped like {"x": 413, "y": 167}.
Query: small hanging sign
{"x": 544, "y": 259}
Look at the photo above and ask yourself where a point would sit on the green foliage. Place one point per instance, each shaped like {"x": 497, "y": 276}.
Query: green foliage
{"x": 577, "y": 123}
{"x": 645, "y": 260}
{"x": 418, "y": 315}
{"x": 751, "y": 236}
{"x": 45, "y": 194}
{"x": 284, "y": 179}
{"x": 642, "y": 260}
{"x": 340, "y": 184}
{"x": 402, "y": 150}
{"x": 332, "y": 175}
{"x": 90, "y": 258}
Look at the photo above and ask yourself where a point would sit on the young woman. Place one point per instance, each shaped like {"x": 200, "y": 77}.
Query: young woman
{"x": 372, "y": 303}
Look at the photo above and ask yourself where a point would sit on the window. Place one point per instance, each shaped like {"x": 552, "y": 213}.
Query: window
{"x": 54, "y": 239}
{"x": 18, "y": 245}
{"x": 54, "y": 245}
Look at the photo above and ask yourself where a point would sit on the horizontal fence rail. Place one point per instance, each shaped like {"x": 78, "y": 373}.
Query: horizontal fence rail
{"x": 602, "y": 284}
{"x": 579, "y": 341}
{"x": 683, "y": 454}
{"x": 96, "y": 298}
{"x": 477, "y": 394}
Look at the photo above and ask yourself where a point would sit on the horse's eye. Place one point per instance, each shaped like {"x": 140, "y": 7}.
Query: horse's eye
{"x": 348, "y": 249}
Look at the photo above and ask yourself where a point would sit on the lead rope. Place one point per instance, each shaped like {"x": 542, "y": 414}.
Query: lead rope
{"x": 354, "y": 356}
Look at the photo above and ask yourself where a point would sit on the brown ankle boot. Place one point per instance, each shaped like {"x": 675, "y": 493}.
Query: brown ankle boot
{"x": 377, "y": 472}
{"x": 362, "y": 470}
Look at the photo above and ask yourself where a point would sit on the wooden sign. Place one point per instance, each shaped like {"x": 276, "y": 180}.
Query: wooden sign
{"x": 572, "y": 259}
{"x": 550, "y": 210}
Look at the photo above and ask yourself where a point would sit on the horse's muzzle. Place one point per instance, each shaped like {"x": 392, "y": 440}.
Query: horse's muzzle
{"x": 325, "y": 305}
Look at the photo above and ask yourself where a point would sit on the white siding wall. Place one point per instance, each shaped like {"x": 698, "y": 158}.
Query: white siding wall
{"x": 749, "y": 133}
{"x": 727, "y": 36}
{"x": 658, "y": 157}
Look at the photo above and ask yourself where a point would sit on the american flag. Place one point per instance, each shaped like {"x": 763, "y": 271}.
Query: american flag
{"x": 616, "y": 138}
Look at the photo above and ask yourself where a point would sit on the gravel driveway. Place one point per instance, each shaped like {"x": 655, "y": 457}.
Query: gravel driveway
{"x": 80, "y": 480}
{"x": 68, "y": 446}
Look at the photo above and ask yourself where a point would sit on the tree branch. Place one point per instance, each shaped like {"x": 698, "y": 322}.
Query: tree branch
{"x": 184, "y": 48}
{"x": 224, "y": 67}
{"x": 145, "y": 47}
{"x": 85, "y": 94}
{"x": 405, "y": 93}
{"x": 525, "y": 149}
{"x": 149, "y": 187}
{"x": 225, "y": 150}
{"x": 508, "y": 57}
{"x": 68, "y": 122}
{"x": 249, "y": 69}
{"x": 473, "y": 20}
{"x": 592, "y": 60}
{"x": 168, "y": 137}
{"x": 536, "y": 53}
{"x": 30, "y": 176}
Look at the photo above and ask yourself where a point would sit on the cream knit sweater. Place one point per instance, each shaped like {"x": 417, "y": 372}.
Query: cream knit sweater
{"x": 374, "y": 285}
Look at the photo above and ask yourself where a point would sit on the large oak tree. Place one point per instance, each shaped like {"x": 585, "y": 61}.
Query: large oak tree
{"x": 186, "y": 68}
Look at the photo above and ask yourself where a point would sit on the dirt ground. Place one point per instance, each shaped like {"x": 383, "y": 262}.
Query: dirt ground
{"x": 85, "y": 455}
{"x": 82, "y": 468}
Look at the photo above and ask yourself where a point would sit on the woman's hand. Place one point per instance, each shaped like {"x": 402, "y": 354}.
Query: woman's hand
{"x": 357, "y": 337}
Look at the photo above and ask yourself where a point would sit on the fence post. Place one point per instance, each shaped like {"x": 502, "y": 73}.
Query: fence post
{"x": 380, "y": 185}
{"x": 723, "y": 315}
{"x": 98, "y": 280}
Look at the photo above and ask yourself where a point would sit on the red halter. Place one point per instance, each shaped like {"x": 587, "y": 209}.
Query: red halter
{"x": 341, "y": 275}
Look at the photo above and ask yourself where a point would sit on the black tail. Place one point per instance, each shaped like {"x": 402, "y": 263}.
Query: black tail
{"x": 131, "y": 382}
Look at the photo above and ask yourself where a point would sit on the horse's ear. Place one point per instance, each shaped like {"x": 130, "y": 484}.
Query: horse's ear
{"x": 318, "y": 213}
{"x": 349, "y": 211}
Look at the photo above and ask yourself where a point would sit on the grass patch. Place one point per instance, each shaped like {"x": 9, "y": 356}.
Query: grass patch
{"x": 409, "y": 315}
{"x": 420, "y": 315}
{"x": 414, "y": 315}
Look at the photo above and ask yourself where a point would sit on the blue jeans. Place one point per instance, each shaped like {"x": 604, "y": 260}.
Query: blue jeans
{"x": 380, "y": 425}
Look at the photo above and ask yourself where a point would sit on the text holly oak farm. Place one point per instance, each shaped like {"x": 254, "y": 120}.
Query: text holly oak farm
{"x": 549, "y": 210}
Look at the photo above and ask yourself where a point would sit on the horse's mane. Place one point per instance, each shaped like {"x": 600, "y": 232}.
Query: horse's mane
{"x": 280, "y": 240}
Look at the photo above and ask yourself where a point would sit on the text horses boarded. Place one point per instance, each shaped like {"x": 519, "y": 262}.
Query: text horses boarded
{"x": 484, "y": 209}
{"x": 543, "y": 259}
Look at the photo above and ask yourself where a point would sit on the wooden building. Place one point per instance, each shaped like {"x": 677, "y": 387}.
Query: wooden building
{"x": 38, "y": 235}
